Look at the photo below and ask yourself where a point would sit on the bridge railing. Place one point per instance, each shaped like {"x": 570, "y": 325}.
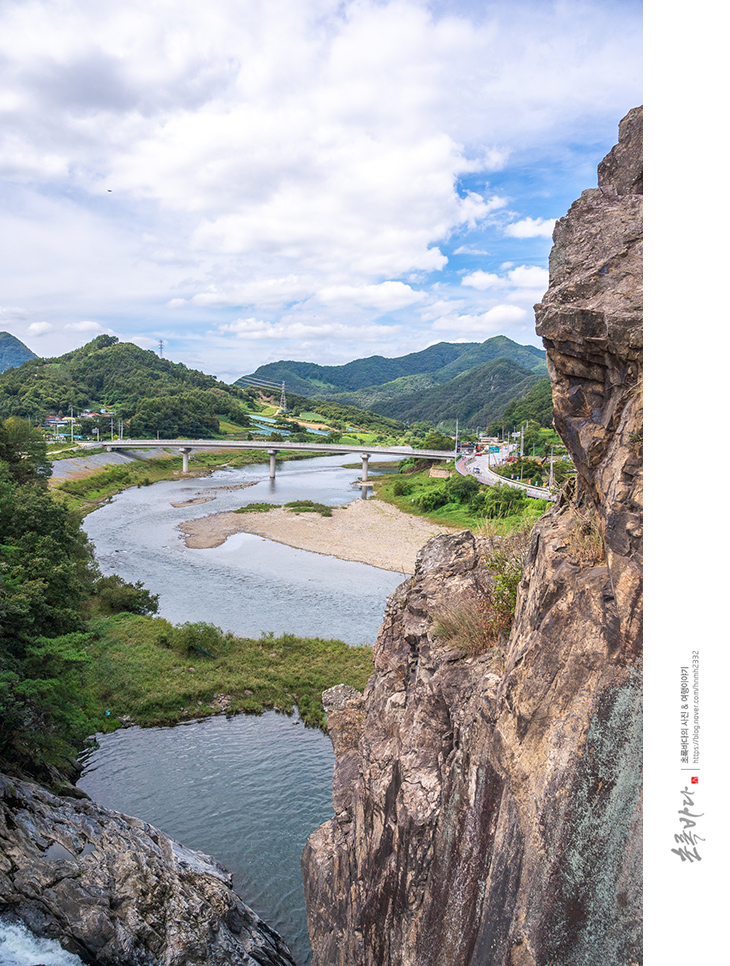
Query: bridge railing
{"x": 191, "y": 444}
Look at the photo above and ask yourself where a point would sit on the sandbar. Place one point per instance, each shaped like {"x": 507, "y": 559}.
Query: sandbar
{"x": 368, "y": 531}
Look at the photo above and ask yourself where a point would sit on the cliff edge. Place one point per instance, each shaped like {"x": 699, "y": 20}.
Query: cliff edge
{"x": 488, "y": 807}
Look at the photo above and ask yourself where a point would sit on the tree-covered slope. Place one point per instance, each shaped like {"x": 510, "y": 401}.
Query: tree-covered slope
{"x": 536, "y": 406}
{"x": 151, "y": 394}
{"x": 13, "y": 352}
{"x": 438, "y": 363}
{"x": 476, "y": 397}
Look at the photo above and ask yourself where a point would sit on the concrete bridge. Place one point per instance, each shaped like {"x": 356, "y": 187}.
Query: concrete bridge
{"x": 185, "y": 446}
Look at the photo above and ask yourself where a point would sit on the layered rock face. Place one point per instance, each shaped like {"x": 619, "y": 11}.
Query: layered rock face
{"x": 488, "y": 808}
{"x": 118, "y": 892}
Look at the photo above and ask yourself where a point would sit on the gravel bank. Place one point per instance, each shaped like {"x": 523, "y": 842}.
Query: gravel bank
{"x": 368, "y": 531}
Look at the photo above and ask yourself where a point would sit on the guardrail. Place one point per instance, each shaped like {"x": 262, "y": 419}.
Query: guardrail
{"x": 489, "y": 478}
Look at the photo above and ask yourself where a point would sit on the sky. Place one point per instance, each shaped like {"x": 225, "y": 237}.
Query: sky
{"x": 316, "y": 180}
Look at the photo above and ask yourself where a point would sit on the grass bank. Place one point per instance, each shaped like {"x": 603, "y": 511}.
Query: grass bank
{"x": 89, "y": 492}
{"x": 145, "y": 671}
{"x": 409, "y": 491}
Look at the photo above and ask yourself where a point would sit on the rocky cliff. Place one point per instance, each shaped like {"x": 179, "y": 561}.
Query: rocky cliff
{"x": 116, "y": 891}
{"x": 487, "y": 801}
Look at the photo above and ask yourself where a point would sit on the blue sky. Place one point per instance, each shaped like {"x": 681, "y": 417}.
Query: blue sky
{"x": 301, "y": 179}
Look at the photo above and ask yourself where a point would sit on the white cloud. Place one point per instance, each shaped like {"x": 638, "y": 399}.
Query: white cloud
{"x": 86, "y": 326}
{"x": 388, "y": 296}
{"x": 286, "y": 156}
{"x": 531, "y": 228}
{"x": 483, "y": 280}
{"x": 484, "y": 324}
{"x": 522, "y": 277}
{"x": 39, "y": 328}
{"x": 470, "y": 250}
{"x": 529, "y": 276}
{"x": 255, "y": 329}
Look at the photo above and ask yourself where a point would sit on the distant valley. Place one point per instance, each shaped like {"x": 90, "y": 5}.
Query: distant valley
{"x": 473, "y": 382}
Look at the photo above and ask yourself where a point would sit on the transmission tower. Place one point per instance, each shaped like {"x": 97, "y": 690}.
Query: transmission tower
{"x": 162, "y": 346}
{"x": 282, "y": 404}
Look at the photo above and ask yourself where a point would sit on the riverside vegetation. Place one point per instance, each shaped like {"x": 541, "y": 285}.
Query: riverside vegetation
{"x": 459, "y": 501}
{"x": 75, "y": 645}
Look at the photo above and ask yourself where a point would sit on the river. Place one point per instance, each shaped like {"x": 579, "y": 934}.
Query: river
{"x": 248, "y": 585}
{"x": 247, "y": 790}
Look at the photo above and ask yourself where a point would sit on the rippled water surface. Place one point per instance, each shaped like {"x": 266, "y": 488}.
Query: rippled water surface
{"x": 249, "y": 584}
{"x": 247, "y": 790}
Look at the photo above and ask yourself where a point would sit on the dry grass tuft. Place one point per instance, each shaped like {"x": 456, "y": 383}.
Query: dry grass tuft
{"x": 585, "y": 543}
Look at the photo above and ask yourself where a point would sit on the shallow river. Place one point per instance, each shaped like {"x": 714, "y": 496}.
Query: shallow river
{"x": 247, "y": 790}
{"x": 249, "y": 584}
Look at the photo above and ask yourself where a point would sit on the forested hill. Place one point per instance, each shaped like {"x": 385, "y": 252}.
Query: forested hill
{"x": 438, "y": 363}
{"x": 151, "y": 394}
{"x": 476, "y": 397}
{"x": 473, "y": 382}
{"x": 13, "y": 352}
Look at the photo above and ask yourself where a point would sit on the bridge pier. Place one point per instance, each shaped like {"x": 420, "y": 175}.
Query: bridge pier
{"x": 272, "y": 463}
{"x": 365, "y": 458}
{"x": 185, "y": 452}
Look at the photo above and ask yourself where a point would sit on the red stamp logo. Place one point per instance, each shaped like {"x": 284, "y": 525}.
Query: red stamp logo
{"x": 695, "y": 780}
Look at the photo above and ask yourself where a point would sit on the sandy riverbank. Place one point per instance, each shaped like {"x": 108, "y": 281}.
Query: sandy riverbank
{"x": 368, "y": 531}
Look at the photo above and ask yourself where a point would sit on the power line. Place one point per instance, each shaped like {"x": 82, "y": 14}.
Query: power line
{"x": 261, "y": 383}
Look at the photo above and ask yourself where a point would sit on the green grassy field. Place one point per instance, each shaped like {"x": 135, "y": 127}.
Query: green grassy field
{"x": 419, "y": 483}
{"x": 145, "y": 670}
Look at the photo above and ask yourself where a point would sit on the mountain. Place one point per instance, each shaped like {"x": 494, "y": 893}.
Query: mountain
{"x": 475, "y": 397}
{"x": 441, "y": 362}
{"x": 151, "y": 394}
{"x": 13, "y": 352}
{"x": 472, "y": 381}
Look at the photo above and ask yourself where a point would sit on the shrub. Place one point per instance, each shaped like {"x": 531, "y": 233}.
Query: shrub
{"x": 462, "y": 489}
{"x": 309, "y": 506}
{"x": 433, "y": 499}
{"x": 586, "y": 540}
{"x": 503, "y": 501}
{"x": 112, "y": 595}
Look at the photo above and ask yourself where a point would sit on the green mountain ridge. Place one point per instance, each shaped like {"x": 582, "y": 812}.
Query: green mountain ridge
{"x": 443, "y": 360}
{"x": 150, "y": 394}
{"x": 472, "y": 381}
{"x": 13, "y": 352}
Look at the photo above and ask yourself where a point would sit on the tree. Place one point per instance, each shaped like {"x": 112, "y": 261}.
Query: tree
{"x": 437, "y": 441}
{"x": 23, "y": 451}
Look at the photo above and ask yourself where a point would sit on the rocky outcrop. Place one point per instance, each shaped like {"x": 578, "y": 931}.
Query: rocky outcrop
{"x": 488, "y": 807}
{"x": 116, "y": 891}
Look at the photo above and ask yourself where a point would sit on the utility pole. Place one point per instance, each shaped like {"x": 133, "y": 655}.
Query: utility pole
{"x": 111, "y": 431}
{"x": 456, "y": 441}
{"x": 551, "y": 481}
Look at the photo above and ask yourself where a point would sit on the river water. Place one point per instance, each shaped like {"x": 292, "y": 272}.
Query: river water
{"x": 249, "y": 584}
{"x": 248, "y": 790}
